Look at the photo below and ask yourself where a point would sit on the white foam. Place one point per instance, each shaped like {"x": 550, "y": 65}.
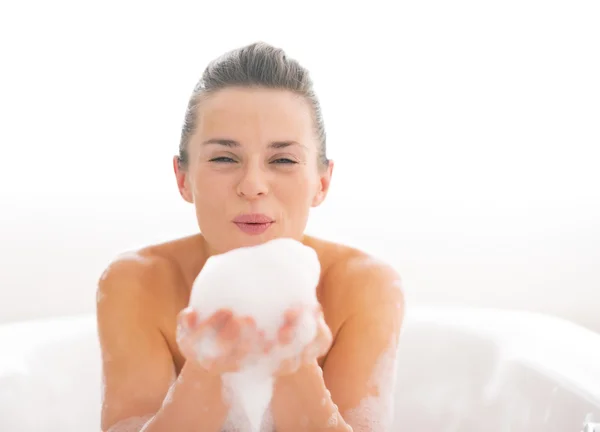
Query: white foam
{"x": 375, "y": 413}
{"x": 268, "y": 425}
{"x": 262, "y": 282}
{"x": 237, "y": 419}
{"x": 333, "y": 420}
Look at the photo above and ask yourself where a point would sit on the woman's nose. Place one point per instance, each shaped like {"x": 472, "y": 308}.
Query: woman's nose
{"x": 253, "y": 183}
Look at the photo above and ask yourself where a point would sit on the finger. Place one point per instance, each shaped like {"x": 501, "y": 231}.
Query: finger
{"x": 267, "y": 344}
{"x": 246, "y": 345}
{"x": 249, "y": 331}
{"x": 215, "y": 322}
{"x": 187, "y": 318}
{"x": 292, "y": 315}
{"x": 242, "y": 351}
{"x": 248, "y": 322}
{"x": 255, "y": 337}
{"x": 288, "y": 329}
{"x": 230, "y": 330}
{"x": 285, "y": 335}
{"x": 204, "y": 339}
{"x": 222, "y": 317}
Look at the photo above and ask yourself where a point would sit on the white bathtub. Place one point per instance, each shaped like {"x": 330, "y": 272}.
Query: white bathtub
{"x": 459, "y": 370}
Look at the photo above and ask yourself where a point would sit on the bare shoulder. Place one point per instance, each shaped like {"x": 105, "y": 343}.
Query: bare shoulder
{"x": 354, "y": 281}
{"x": 365, "y": 280}
{"x": 128, "y": 273}
{"x": 142, "y": 278}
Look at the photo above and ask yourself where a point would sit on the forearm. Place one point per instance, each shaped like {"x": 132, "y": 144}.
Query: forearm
{"x": 303, "y": 403}
{"x": 194, "y": 404}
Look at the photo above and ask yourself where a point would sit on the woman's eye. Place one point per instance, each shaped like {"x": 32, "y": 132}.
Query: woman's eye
{"x": 284, "y": 161}
{"x": 222, "y": 159}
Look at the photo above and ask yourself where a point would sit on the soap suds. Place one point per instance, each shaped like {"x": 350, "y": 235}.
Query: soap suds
{"x": 207, "y": 347}
{"x": 375, "y": 412}
{"x": 236, "y": 420}
{"x": 262, "y": 282}
{"x": 99, "y": 296}
{"x": 333, "y": 420}
{"x": 169, "y": 396}
{"x": 267, "y": 422}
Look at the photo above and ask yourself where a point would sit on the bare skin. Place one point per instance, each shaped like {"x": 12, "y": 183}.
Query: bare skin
{"x": 142, "y": 359}
{"x": 142, "y": 295}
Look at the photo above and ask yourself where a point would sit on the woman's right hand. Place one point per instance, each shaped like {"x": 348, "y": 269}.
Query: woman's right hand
{"x": 320, "y": 344}
{"x": 219, "y": 343}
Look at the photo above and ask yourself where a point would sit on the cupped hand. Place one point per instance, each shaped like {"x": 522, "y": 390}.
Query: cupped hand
{"x": 221, "y": 342}
{"x": 318, "y": 346}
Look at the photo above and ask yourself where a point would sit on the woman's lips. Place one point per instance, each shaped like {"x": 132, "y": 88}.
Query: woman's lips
{"x": 253, "y": 228}
{"x": 253, "y": 223}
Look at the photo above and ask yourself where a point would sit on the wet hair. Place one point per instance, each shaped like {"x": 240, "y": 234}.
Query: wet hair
{"x": 258, "y": 65}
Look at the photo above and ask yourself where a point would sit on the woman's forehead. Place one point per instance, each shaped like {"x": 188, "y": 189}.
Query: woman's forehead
{"x": 255, "y": 113}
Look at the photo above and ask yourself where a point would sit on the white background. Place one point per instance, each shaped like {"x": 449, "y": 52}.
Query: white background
{"x": 465, "y": 136}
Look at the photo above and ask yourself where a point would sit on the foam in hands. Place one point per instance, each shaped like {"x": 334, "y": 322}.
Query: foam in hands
{"x": 263, "y": 282}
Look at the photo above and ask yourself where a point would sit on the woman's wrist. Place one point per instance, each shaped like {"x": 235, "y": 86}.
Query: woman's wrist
{"x": 195, "y": 372}
{"x": 302, "y": 402}
{"x": 195, "y": 402}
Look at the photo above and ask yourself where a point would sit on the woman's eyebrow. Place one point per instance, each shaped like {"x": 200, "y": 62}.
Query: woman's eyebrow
{"x": 221, "y": 141}
{"x": 283, "y": 144}
{"x": 232, "y": 143}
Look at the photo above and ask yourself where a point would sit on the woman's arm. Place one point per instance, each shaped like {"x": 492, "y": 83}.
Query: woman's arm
{"x": 355, "y": 390}
{"x": 302, "y": 402}
{"x": 194, "y": 403}
{"x": 140, "y": 392}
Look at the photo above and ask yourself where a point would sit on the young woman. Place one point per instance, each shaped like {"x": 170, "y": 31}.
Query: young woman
{"x": 252, "y": 161}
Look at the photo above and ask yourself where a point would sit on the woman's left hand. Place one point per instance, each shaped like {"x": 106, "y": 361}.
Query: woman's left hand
{"x": 316, "y": 348}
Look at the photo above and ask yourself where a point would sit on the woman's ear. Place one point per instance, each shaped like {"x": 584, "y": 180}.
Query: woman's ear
{"x": 324, "y": 182}
{"x": 183, "y": 183}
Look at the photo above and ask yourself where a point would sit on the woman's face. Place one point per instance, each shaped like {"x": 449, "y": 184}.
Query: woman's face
{"x": 252, "y": 173}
